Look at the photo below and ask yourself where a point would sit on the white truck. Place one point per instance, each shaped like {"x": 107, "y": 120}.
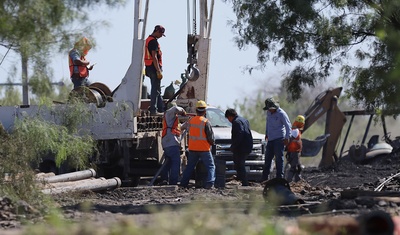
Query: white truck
{"x": 129, "y": 138}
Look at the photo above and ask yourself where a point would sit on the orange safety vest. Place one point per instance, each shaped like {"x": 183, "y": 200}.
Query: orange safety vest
{"x": 197, "y": 134}
{"x": 148, "y": 59}
{"x": 175, "y": 129}
{"x": 295, "y": 145}
{"x": 83, "y": 70}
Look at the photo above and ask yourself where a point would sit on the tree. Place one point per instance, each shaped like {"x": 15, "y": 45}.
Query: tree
{"x": 360, "y": 37}
{"x": 35, "y": 29}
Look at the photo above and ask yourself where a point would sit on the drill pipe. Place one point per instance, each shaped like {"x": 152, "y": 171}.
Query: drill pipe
{"x": 77, "y": 175}
{"x": 94, "y": 185}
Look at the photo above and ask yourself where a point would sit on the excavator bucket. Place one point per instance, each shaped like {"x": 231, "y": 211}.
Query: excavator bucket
{"x": 311, "y": 148}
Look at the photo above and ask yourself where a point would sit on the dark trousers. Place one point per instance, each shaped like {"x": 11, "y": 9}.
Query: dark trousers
{"x": 295, "y": 167}
{"x": 275, "y": 149}
{"x": 239, "y": 160}
{"x": 156, "y": 102}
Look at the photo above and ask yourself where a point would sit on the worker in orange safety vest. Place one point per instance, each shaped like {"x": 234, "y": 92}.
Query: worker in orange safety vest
{"x": 171, "y": 143}
{"x": 153, "y": 63}
{"x": 79, "y": 66}
{"x": 201, "y": 138}
{"x": 294, "y": 148}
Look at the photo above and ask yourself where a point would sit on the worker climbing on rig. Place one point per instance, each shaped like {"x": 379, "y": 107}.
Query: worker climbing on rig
{"x": 153, "y": 63}
{"x": 294, "y": 149}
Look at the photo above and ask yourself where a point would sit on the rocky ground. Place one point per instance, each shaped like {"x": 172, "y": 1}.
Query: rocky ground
{"x": 348, "y": 189}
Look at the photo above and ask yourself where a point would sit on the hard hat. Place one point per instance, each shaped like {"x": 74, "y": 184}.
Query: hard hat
{"x": 201, "y": 105}
{"x": 300, "y": 119}
{"x": 299, "y": 122}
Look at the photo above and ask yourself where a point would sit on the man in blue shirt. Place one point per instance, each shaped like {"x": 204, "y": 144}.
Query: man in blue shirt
{"x": 277, "y": 133}
{"x": 242, "y": 143}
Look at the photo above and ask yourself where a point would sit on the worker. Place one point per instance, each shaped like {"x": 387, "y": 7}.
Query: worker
{"x": 171, "y": 143}
{"x": 153, "y": 63}
{"x": 79, "y": 66}
{"x": 294, "y": 150}
{"x": 277, "y": 133}
{"x": 201, "y": 138}
{"x": 242, "y": 143}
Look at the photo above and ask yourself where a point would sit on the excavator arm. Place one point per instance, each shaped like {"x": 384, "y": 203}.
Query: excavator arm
{"x": 326, "y": 103}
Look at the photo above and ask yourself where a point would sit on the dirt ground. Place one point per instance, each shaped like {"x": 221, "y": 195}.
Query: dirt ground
{"x": 347, "y": 189}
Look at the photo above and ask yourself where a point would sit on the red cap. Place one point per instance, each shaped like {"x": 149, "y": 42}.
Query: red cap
{"x": 160, "y": 29}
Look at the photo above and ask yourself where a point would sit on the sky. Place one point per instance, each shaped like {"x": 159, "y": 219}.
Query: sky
{"x": 227, "y": 80}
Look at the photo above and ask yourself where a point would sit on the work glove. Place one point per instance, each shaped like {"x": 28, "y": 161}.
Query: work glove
{"x": 159, "y": 75}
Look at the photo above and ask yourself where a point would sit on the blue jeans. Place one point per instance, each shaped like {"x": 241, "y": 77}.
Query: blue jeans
{"x": 156, "y": 102}
{"x": 274, "y": 148}
{"x": 193, "y": 159}
{"x": 78, "y": 82}
{"x": 172, "y": 168}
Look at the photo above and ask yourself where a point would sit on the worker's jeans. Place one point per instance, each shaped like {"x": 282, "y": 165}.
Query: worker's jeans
{"x": 208, "y": 161}
{"x": 78, "y": 82}
{"x": 173, "y": 165}
{"x": 239, "y": 160}
{"x": 274, "y": 148}
{"x": 156, "y": 102}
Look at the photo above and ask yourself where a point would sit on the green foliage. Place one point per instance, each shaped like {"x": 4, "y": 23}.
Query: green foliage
{"x": 11, "y": 97}
{"x": 56, "y": 139}
{"x": 34, "y": 138}
{"x": 36, "y": 29}
{"x": 319, "y": 36}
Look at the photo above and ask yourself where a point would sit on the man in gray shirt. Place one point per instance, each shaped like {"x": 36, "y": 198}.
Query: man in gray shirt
{"x": 277, "y": 133}
{"x": 171, "y": 143}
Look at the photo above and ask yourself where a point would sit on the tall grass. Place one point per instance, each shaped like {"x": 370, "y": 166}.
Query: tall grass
{"x": 32, "y": 138}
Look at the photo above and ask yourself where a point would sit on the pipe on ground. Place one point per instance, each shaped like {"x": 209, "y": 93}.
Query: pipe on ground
{"x": 94, "y": 185}
{"x": 73, "y": 176}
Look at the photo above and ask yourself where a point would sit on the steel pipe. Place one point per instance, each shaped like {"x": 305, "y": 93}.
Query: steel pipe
{"x": 73, "y": 176}
{"x": 94, "y": 185}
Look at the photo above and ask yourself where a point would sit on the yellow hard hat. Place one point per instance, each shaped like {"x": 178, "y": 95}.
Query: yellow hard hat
{"x": 299, "y": 122}
{"x": 300, "y": 119}
{"x": 201, "y": 105}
